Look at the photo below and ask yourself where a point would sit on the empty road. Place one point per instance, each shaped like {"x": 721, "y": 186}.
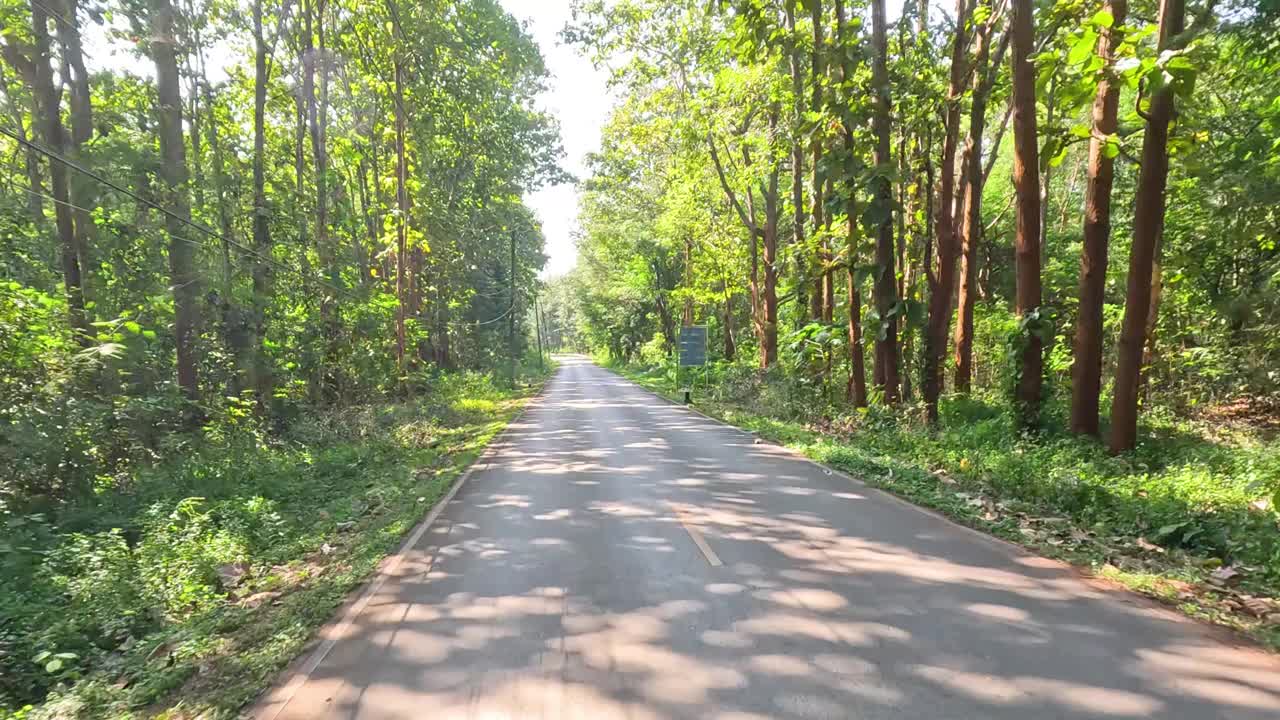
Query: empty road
{"x": 621, "y": 557}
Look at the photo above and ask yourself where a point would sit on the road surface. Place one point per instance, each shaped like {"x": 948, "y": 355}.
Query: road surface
{"x": 621, "y": 557}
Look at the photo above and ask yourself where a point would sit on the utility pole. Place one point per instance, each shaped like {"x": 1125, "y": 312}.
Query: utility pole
{"x": 537, "y": 326}
{"x": 511, "y": 315}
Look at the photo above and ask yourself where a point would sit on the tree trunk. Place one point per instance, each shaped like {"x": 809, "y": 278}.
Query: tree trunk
{"x": 824, "y": 293}
{"x": 885, "y": 288}
{"x": 1026, "y": 243}
{"x": 942, "y": 283}
{"x": 402, "y": 229}
{"x": 39, "y": 71}
{"x": 730, "y": 348}
{"x": 173, "y": 170}
{"x": 1086, "y": 371}
{"x": 81, "y": 186}
{"x": 805, "y": 303}
{"x": 263, "y": 380}
{"x": 971, "y": 230}
{"x": 1148, "y": 223}
{"x": 769, "y": 348}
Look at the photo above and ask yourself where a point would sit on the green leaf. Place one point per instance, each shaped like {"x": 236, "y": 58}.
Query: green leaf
{"x": 1111, "y": 149}
{"x": 1103, "y": 19}
{"x": 1082, "y": 49}
{"x": 132, "y": 327}
{"x": 53, "y": 665}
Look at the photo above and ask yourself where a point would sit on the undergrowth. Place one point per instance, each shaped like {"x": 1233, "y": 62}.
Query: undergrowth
{"x": 1188, "y": 517}
{"x": 183, "y": 592}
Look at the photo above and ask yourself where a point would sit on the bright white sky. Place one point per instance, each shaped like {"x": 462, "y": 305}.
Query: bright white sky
{"x": 579, "y": 98}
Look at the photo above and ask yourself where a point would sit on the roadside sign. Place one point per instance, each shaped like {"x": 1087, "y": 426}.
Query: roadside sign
{"x": 693, "y": 346}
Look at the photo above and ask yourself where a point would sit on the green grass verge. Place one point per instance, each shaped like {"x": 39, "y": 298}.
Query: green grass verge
{"x": 1179, "y": 520}
{"x": 185, "y": 595}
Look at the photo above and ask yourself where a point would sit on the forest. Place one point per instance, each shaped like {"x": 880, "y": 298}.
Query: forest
{"x": 269, "y": 281}
{"x": 1013, "y": 260}
{"x": 266, "y": 285}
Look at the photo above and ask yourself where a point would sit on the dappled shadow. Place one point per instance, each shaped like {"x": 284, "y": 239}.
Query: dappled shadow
{"x": 623, "y": 557}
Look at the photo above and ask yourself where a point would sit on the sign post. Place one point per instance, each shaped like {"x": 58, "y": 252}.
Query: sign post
{"x": 693, "y": 352}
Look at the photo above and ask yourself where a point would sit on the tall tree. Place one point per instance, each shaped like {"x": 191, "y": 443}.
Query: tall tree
{"x": 1148, "y": 224}
{"x": 974, "y": 180}
{"x": 38, "y": 70}
{"x": 856, "y": 389}
{"x": 942, "y": 280}
{"x": 263, "y": 376}
{"x": 81, "y": 186}
{"x": 173, "y": 170}
{"x": 809, "y": 305}
{"x": 822, "y": 287}
{"x": 885, "y": 284}
{"x": 1086, "y": 371}
{"x": 402, "y": 221}
{"x": 1026, "y": 181}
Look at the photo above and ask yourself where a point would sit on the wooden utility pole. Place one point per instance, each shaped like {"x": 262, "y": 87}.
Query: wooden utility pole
{"x": 511, "y": 314}
{"x": 537, "y": 329}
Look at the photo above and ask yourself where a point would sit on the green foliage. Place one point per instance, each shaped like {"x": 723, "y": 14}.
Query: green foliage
{"x": 1199, "y": 493}
{"x": 172, "y": 561}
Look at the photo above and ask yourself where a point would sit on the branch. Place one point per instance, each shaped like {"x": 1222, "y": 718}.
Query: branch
{"x": 724, "y": 183}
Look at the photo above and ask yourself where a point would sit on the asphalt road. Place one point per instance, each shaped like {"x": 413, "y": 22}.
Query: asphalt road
{"x": 621, "y": 557}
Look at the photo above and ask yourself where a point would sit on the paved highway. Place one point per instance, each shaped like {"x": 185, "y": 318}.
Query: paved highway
{"x": 621, "y": 557}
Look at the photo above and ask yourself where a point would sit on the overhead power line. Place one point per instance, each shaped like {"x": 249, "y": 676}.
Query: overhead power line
{"x": 56, "y": 157}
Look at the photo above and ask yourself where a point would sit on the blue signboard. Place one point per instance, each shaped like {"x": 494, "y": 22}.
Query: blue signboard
{"x": 693, "y": 346}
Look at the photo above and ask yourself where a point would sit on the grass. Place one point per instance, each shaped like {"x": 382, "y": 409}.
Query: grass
{"x": 185, "y": 595}
{"x": 1185, "y": 519}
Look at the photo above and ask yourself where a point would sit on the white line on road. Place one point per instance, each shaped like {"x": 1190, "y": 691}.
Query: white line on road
{"x": 698, "y": 540}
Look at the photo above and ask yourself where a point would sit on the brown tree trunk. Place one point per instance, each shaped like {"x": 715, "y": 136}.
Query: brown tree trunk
{"x": 1148, "y": 223}
{"x": 824, "y": 294}
{"x": 402, "y": 205}
{"x": 173, "y": 170}
{"x": 1086, "y": 371}
{"x": 971, "y": 228}
{"x": 81, "y": 186}
{"x": 885, "y": 288}
{"x": 38, "y": 70}
{"x": 1026, "y": 243}
{"x": 806, "y": 304}
{"x": 769, "y": 348}
{"x": 942, "y": 282}
{"x": 263, "y": 375}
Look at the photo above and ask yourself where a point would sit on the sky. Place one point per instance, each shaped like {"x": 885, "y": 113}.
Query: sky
{"x": 579, "y": 98}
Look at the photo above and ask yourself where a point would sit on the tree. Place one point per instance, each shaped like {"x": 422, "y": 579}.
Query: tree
{"x": 974, "y": 181}
{"x": 1148, "y": 224}
{"x": 263, "y": 375}
{"x": 38, "y": 70}
{"x": 942, "y": 281}
{"x": 182, "y": 273}
{"x": 1026, "y": 243}
{"x": 1086, "y": 371}
{"x": 885, "y": 284}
